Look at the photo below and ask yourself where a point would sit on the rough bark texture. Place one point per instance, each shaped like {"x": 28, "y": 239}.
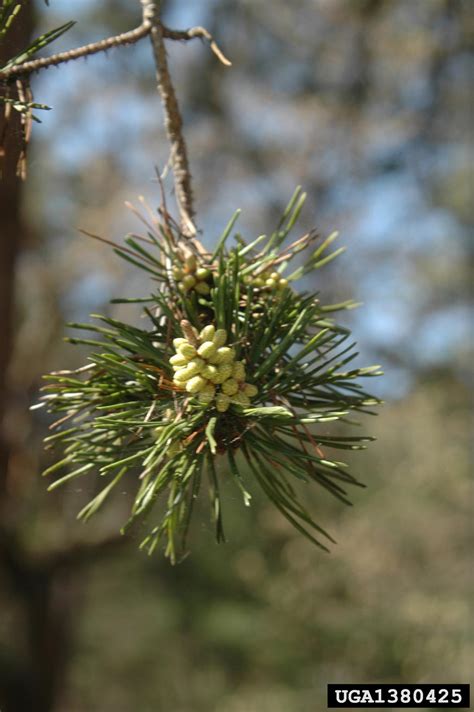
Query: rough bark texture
{"x": 173, "y": 120}
{"x": 45, "y": 588}
{"x": 31, "y": 673}
{"x": 12, "y": 231}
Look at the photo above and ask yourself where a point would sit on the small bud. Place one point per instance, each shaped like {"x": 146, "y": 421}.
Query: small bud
{"x": 190, "y": 332}
{"x": 222, "y": 402}
{"x": 191, "y": 263}
{"x": 209, "y": 372}
{"x": 223, "y": 373}
{"x": 207, "y": 394}
{"x": 209, "y": 388}
{"x": 270, "y": 283}
{"x": 177, "y": 273}
{"x": 220, "y": 337}
{"x": 249, "y": 390}
{"x": 258, "y": 282}
{"x": 196, "y": 384}
{"x": 240, "y": 399}
{"x": 187, "y": 350}
{"x": 178, "y": 342}
{"x": 182, "y": 375}
{"x": 225, "y": 369}
{"x": 189, "y": 281}
{"x": 225, "y": 354}
{"x": 238, "y": 371}
{"x": 195, "y": 366}
{"x": 204, "y": 399}
{"x": 202, "y": 288}
{"x": 173, "y": 448}
{"x": 178, "y": 361}
{"x": 207, "y": 334}
{"x": 230, "y": 387}
{"x": 282, "y": 283}
{"x": 275, "y": 276}
{"x": 207, "y": 350}
{"x": 203, "y": 273}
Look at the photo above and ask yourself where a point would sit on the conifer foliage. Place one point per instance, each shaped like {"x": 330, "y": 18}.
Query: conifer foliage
{"x": 237, "y": 380}
{"x": 236, "y": 373}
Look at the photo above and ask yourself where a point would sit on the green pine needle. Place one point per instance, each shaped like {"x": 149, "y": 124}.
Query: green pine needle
{"x": 126, "y": 417}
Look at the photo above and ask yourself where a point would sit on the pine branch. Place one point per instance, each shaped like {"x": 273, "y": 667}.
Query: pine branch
{"x": 235, "y": 362}
{"x": 19, "y": 68}
{"x": 122, "y": 39}
{"x": 173, "y": 120}
{"x": 35, "y": 65}
{"x": 197, "y": 32}
{"x": 237, "y": 367}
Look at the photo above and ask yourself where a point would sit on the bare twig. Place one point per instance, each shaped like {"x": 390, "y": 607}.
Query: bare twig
{"x": 35, "y": 65}
{"x": 25, "y": 96}
{"x": 189, "y": 331}
{"x": 173, "y": 120}
{"x": 152, "y": 26}
{"x": 125, "y": 38}
{"x": 201, "y": 33}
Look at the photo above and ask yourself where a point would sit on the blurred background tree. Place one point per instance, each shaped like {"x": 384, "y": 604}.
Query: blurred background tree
{"x": 366, "y": 104}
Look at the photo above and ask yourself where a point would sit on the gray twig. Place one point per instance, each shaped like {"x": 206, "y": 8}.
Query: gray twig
{"x": 35, "y": 65}
{"x": 151, "y": 26}
{"x": 125, "y": 38}
{"x": 173, "y": 120}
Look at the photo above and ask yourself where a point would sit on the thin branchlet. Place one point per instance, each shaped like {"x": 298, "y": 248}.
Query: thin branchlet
{"x": 173, "y": 120}
{"x": 36, "y": 65}
{"x": 120, "y": 40}
{"x": 151, "y": 26}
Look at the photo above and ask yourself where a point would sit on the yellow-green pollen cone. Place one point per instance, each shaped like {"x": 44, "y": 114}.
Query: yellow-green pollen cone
{"x": 174, "y": 448}
{"x": 267, "y": 281}
{"x": 208, "y": 370}
{"x": 190, "y": 275}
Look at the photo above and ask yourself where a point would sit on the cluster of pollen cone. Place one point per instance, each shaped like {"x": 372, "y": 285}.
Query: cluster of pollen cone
{"x": 267, "y": 281}
{"x": 190, "y": 275}
{"x": 208, "y": 370}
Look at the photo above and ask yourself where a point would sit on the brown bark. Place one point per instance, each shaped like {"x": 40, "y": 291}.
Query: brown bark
{"x": 29, "y": 678}
{"x": 12, "y": 230}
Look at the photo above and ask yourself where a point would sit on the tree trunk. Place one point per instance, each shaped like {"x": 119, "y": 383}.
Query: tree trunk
{"x": 12, "y": 230}
{"x": 29, "y": 680}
